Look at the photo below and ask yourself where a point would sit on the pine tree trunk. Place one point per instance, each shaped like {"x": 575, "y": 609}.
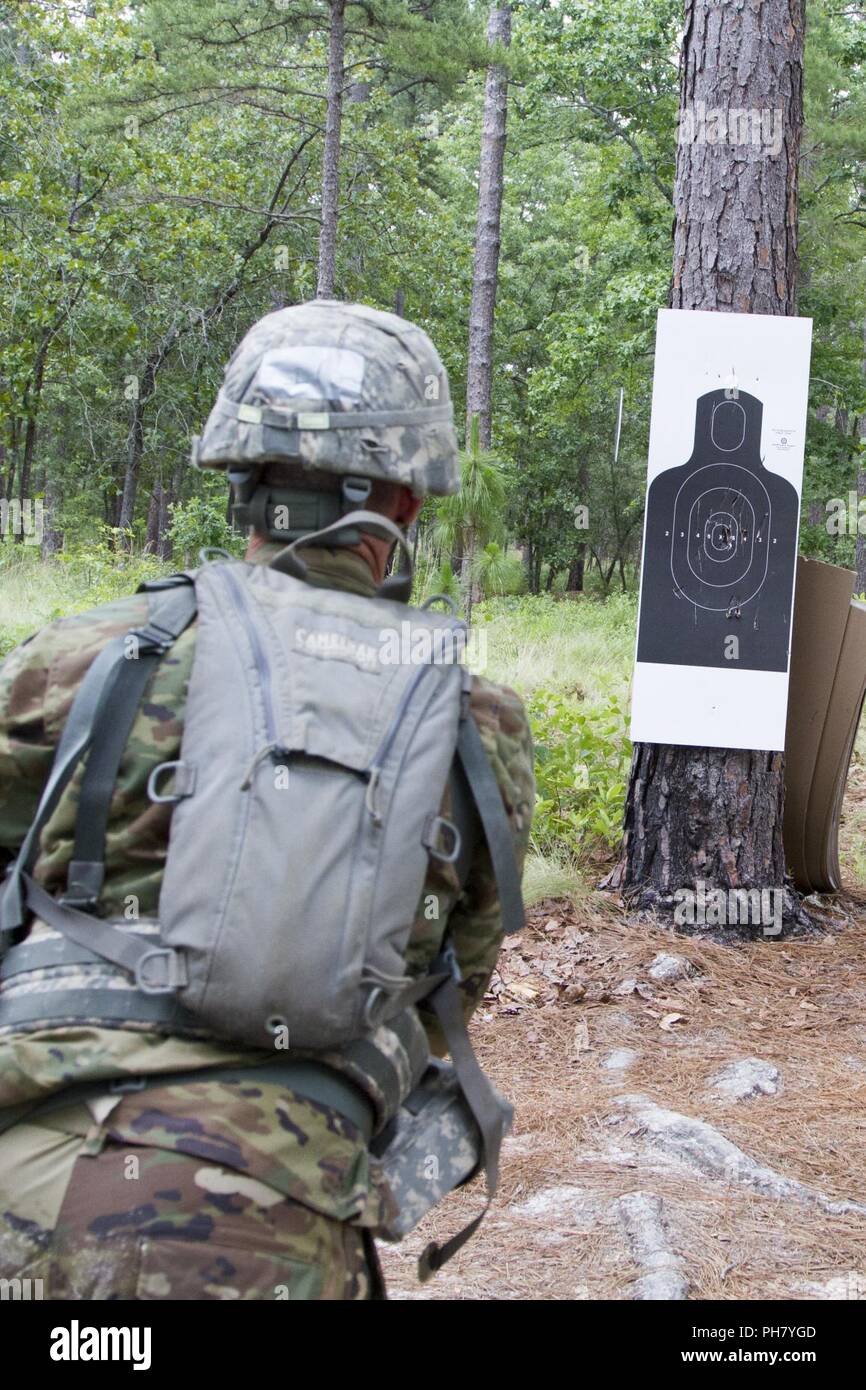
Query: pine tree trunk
{"x": 52, "y": 536}
{"x": 151, "y": 537}
{"x": 705, "y": 813}
{"x": 479, "y": 370}
{"x": 860, "y": 549}
{"x": 12, "y": 468}
{"x": 167, "y": 498}
{"x": 134, "y": 455}
{"x": 31, "y": 429}
{"x": 575, "y": 572}
{"x": 331, "y": 155}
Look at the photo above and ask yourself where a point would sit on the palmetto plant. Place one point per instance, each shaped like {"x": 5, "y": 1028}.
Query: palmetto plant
{"x": 495, "y": 571}
{"x": 473, "y": 516}
{"x": 445, "y": 581}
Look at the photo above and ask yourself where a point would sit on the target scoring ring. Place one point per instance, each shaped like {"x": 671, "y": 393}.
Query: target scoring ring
{"x": 715, "y": 534}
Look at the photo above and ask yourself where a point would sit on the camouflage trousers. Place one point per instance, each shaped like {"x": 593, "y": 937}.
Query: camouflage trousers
{"x": 93, "y": 1216}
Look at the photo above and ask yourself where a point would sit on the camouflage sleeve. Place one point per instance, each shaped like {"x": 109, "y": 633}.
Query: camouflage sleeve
{"x": 475, "y": 921}
{"x": 38, "y": 681}
{"x": 26, "y": 750}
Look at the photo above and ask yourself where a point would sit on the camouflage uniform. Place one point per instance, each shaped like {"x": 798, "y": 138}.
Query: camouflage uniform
{"x": 205, "y": 1189}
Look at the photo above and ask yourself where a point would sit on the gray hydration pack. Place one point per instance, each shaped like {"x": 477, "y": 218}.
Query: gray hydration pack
{"x": 319, "y": 734}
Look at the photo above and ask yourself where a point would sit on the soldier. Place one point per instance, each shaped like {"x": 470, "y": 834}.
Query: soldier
{"x": 144, "y": 1153}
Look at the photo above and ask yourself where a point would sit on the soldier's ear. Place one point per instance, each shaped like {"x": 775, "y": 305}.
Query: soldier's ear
{"x": 408, "y": 507}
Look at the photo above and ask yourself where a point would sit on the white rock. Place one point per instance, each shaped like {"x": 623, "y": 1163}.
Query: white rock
{"x": 620, "y": 1059}
{"x": 746, "y": 1078}
{"x": 667, "y": 968}
{"x": 841, "y": 1286}
{"x": 662, "y": 1276}
{"x": 703, "y": 1147}
{"x": 564, "y": 1201}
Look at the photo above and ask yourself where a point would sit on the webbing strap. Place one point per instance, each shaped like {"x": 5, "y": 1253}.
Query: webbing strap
{"x": 70, "y": 749}
{"x": 48, "y": 951}
{"x": 315, "y": 418}
{"x": 497, "y": 831}
{"x": 474, "y": 789}
{"x": 128, "y": 951}
{"x": 311, "y": 1080}
{"x": 488, "y": 1112}
{"x": 93, "y": 709}
{"x": 465, "y": 817}
{"x": 170, "y": 613}
{"x": 108, "y": 1008}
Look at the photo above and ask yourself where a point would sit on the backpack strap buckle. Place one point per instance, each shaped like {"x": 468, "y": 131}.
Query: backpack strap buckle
{"x": 160, "y": 971}
{"x": 83, "y": 885}
{"x": 152, "y": 638}
{"x": 441, "y": 839}
{"x": 184, "y": 782}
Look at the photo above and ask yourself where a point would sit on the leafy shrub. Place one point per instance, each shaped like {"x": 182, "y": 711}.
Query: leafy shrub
{"x": 34, "y": 592}
{"x": 101, "y": 570}
{"x": 499, "y": 571}
{"x": 443, "y": 580}
{"x": 201, "y": 522}
{"x": 582, "y": 758}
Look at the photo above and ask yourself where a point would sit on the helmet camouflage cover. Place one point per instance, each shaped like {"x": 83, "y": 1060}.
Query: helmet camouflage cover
{"x": 340, "y": 388}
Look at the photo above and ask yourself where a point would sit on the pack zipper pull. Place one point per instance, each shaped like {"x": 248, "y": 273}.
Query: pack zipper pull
{"x": 268, "y": 751}
{"x": 370, "y": 797}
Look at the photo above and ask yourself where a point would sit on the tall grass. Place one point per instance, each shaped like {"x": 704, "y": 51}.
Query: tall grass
{"x": 34, "y": 592}
{"x": 581, "y": 647}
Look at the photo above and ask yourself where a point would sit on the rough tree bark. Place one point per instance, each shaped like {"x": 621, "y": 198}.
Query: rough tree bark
{"x": 32, "y": 402}
{"x": 575, "y": 571}
{"x": 151, "y": 536}
{"x": 704, "y": 813}
{"x": 479, "y": 371}
{"x": 485, "y": 268}
{"x": 860, "y": 549}
{"x": 331, "y": 154}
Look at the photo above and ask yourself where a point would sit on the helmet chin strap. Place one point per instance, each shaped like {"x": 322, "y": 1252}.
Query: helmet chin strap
{"x": 348, "y": 529}
{"x": 284, "y": 513}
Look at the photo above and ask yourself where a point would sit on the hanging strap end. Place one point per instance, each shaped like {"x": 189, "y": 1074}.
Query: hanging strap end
{"x": 429, "y": 1262}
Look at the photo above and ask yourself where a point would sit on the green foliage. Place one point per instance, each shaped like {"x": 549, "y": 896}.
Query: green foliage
{"x": 582, "y": 762}
{"x": 444, "y": 581}
{"x": 498, "y": 571}
{"x": 102, "y": 570}
{"x": 34, "y": 592}
{"x": 200, "y": 522}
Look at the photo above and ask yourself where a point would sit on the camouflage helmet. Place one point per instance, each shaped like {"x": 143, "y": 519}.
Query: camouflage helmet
{"x": 336, "y": 388}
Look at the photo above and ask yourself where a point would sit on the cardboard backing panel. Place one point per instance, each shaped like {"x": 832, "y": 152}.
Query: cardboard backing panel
{"x": 820, "y": 618}
{"x": 834, "y": 756}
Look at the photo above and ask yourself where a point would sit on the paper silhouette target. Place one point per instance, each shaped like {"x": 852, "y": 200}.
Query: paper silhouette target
{"x": 720, "y": 548}
{"x": 724, "y": 473}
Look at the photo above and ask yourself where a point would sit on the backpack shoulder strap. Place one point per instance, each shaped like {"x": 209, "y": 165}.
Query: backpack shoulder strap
{"x": 171, "y": 608}
{"x": 107, "y": 698}
{"x": 475, "y": 798}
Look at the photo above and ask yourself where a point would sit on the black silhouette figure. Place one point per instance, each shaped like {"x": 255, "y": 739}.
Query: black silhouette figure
{"x": 720, "y": 548}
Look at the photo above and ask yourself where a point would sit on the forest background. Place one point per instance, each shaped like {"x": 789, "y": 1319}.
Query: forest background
{"x": 165, "y": 177}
